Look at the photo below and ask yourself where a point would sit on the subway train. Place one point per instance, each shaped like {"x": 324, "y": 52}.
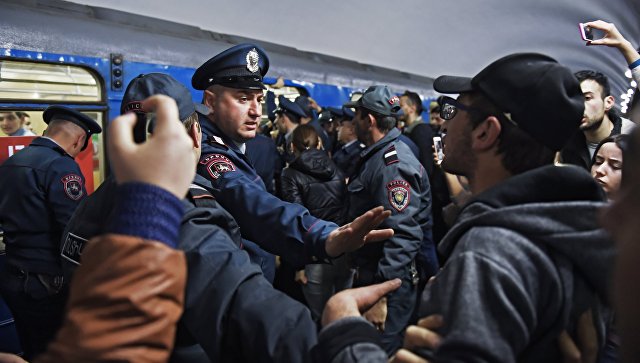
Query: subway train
{"x": 83, "y": 57}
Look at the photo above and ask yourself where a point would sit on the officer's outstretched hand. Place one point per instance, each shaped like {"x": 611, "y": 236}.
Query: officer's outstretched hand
{"x": 165, "y": 160}
{"x": 354, "y": 235}
{"x": 354, "y": 302}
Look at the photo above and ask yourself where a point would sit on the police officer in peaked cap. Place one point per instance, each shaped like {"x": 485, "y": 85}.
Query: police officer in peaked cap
{"x": 40, "y": 187}
{"x": 233, "y": 91}
{"x": 289, "y": 115}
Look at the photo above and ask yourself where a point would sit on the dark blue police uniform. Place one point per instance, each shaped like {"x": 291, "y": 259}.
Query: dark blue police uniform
{"x": 286, "y": 229}
{"x": 346, "y": 158}
{"x": 294, "y": 112}
{"x": 264, "y": 157}
{"x": 389, "y": 174}
{"x": 40, "y": 187}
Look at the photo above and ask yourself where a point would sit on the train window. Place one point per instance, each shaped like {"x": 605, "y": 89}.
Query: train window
{"x": 47, "y": 82}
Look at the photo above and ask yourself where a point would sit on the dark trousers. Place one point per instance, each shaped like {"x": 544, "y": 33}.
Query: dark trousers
{"x": 37, "y": 310}
{"x": 400, "y": 304}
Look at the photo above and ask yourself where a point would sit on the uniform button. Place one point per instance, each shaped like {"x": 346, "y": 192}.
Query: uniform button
{"x": 314, "y": 258}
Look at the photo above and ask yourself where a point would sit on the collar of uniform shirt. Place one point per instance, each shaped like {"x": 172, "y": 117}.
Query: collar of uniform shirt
{"x": 241, "y": 146}
{"x": 349, "y": 143}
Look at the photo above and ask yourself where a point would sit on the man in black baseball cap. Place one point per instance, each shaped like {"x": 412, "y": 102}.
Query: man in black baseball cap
{"x": 40, "y": 187}
{"x": 526, "y": 259}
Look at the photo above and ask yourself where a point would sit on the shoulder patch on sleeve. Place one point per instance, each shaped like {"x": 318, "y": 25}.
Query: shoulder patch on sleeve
{"x": 390, "y": 155}
{"x": 399, "y": 193}
{"x": 72, "y": 185}
{"x": 217, "y": 164}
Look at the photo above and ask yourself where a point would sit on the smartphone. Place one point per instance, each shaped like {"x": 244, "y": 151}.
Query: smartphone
{"x": 437, "y": 145}
{"x": 144, "y": 125}
{"x": 586, "y": 32}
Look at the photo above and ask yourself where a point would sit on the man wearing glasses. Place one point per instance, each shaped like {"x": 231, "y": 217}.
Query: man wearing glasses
{"x": 526, "y": 260}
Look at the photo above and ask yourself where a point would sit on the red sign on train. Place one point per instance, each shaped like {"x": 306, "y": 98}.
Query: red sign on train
{"x": 10, "y": 145}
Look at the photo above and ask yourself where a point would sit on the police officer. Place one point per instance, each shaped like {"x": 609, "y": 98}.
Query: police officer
{"x": 233, "y": 91}
{"x": 288, "y": 117}
{"x": 389, "y": 174}
{"x": 347, "y": 155}
{"x": 309, "y": 106}
{"x": 40, "y": 188}
{"x": 229, "y": 303}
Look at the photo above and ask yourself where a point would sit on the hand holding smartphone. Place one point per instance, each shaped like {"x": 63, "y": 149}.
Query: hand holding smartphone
{"x": 437, "y": 146}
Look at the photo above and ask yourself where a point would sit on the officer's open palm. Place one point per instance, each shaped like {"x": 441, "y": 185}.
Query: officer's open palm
{"x": 354, "y": 235}
{"x": 166, "y": 159}
{"x": 353, "y": 302}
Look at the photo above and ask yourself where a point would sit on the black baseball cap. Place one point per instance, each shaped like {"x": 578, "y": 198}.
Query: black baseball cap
{"x": 242, "y": 66}
{"x": 378, "y": 99}
{"x": 89, "y": 125}
{"x": 540, "y": 95}
{"x": 147, "y": 85}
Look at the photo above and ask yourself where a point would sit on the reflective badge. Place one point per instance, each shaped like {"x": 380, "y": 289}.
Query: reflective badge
{"x": 390, "y": 156}
{"x": 217, "y": 165}
{"x": 399, "y": 194}
{"x": 252, "y": 60}
{"x": 73, "y": 186}
{"x": 73, "y": 247}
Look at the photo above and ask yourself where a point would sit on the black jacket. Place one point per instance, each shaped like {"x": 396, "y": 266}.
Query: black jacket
{"x": 40, "y": 187}
{"x": 228, "y": 309}
{"x": 576, "y": 152}
{"x": 314, "y": 181}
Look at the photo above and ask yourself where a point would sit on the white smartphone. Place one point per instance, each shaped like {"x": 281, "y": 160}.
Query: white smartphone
{"x": 437, "y": 145}
{"x": 585, "y": 32}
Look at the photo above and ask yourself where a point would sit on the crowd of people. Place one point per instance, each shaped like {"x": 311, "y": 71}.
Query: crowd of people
{"x": 332, "y": 234}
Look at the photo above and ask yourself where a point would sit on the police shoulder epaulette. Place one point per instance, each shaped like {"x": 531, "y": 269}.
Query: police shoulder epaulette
{"x": 216, "y": 141}
{"x": 198, "y": 192}
{"x": 390, "y": 155}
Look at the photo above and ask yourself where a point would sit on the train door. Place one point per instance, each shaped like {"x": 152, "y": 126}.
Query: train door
{"x": 26, "y": 88}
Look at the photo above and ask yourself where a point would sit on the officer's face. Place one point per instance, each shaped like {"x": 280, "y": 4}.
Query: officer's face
{"x": 9, "y": 122}
{"x": 362, "y": 127}
{"x": 346, "y": 131}
{"x": 236, "y": 112}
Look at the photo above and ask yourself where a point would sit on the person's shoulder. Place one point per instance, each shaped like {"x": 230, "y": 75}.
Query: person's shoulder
{"x": 627, "y": 126}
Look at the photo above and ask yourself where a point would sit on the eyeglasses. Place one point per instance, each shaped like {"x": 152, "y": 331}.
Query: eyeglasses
{"x": 449, "y": 108}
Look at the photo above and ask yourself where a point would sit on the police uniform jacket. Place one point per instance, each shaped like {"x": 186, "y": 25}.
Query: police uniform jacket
{"x": 228, "y": 302}
{"x": 40, "y": 188}
{"x": 282, "y": 228}
{"x": 230, "y": 309}
{"x": 390, "y": 175}
{"x": 346, "y": 158}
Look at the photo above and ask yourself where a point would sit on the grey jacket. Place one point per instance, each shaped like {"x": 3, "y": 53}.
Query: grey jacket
{"x": 388, "y": 174}
{"x": 525, "y": 259}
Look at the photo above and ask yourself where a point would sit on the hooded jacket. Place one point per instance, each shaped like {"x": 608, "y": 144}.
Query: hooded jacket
{"x": 524, "y": 260}
{"x": 315, "y": 182}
